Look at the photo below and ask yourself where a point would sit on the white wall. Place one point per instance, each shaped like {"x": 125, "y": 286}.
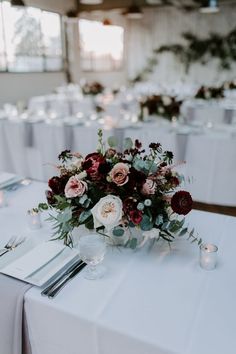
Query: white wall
{"x": 20, "y": 87}
{"x": 165, "y": 26}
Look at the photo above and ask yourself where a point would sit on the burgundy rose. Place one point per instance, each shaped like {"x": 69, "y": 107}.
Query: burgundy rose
{"x": 129, "y": 204}
{"x": 181, "y": 202}
{"x": 136, "y": 216}
{"x": 57, "y": 184}
{"x": 91, "y": 165}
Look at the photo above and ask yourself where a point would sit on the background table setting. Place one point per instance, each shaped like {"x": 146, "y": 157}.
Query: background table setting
{"x": 144, "y": 297}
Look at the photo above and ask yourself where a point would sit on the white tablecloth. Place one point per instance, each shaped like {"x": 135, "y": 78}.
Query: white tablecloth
{"x": 154, "y": 303}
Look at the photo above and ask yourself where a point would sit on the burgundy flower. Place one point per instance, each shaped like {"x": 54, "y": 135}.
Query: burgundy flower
{"x": 129, "y": 204}
{"x": 50, "y": 197}
{"x": 181, "y": 202}
{"x": 91, "y": 165}
{"x": 138, "y": 144}
{"x": 136, "y": 177}
{"x": 136, "y": 216}
{"x": 174, "y": 181}
{"x": 57, "y": 184}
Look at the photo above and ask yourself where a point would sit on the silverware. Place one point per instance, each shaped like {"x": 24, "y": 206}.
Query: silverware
{"x": 13, "y": 242}
{"x": 64, "y": 273}
{"x": 65, "y": 280}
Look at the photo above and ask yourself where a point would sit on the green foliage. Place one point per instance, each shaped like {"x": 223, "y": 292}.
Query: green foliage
{"x": 112, "y": 141}
{"x": 146, "y": 223}
{"x": 197, "y": 50}
{"x": 118, "y": 231}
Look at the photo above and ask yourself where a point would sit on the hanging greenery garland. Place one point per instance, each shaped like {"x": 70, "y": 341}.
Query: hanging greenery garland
{"x": 198, "y": 50}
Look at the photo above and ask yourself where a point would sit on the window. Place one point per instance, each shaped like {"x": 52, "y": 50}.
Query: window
{"x": 101, "y": 46}
{"x": 30, "y": 39}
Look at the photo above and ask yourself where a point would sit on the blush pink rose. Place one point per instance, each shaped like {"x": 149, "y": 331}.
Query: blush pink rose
{"x": 120, "y": 174}
{"x": 75, "y": 187}
{"x": 149, "y": 187}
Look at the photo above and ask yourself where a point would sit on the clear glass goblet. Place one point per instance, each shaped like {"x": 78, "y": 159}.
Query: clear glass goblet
{"x": 92, "y": 249}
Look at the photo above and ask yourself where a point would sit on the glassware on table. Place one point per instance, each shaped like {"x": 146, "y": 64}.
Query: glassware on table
{"x": 208, "y": 256}
{"x": 34, "y": 220}
{"x": 92, "y": 249}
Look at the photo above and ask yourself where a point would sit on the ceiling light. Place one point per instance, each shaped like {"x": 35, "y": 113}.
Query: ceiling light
{"x": 134, "y": 12}
{"x": 91, "y": 2}
{"x": 17, "y": 3}
{"x": 210, "y": 7}
{"x": 107, "y": 22}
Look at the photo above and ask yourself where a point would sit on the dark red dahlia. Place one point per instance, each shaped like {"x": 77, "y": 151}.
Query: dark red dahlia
{"x": 57, "y": 184}
{"x": 136, "y": 216}
{"x": 181, "y": 202}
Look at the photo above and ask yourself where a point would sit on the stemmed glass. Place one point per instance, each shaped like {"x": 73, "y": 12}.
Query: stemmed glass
{"x": 92, "y": 249}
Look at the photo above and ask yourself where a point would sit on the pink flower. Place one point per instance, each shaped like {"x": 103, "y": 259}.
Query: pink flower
{"x": 75, "y": 187}
{"x": 149, "y": 187}
{"x": 119, "y": 174}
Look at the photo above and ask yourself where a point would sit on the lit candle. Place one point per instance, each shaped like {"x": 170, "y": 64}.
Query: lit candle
{"x": 3, "y": 201}
{"x": 34, "y": 220}
{"x": 208, "y": 256}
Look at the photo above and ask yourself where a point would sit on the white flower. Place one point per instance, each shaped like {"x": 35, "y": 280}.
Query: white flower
{"x": 161, "y": 110}
{"x": 107, "y": 212}
{"x": 166, "y": 100}
{"x": 149, "y": 235}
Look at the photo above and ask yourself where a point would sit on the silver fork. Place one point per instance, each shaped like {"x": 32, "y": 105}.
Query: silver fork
{"x": 13, "y": 242}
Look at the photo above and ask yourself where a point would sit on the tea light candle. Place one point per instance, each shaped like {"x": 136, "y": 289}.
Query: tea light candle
{"x": 3, "y": 201}
{"x": 34, "y": 220}
{"x": 208, "y": 256}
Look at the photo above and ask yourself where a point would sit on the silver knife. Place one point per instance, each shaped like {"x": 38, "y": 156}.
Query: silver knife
{"x": 64, "y": 281}
{"x": 60, "y": 277}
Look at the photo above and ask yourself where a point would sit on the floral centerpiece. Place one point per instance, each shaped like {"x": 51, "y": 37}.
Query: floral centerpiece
{"x": 93, "y": 88}
{"x": 208, "y": 93}
{"x": 115, "y": 192}
{"x": 162, "y": 105}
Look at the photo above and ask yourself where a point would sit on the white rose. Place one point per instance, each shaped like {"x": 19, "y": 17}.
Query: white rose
{"x": 166, "y": 100}
{"x": 107, "y": 212}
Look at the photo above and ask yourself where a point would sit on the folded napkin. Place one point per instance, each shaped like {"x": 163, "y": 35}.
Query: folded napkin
{"x": 13, "y": 330}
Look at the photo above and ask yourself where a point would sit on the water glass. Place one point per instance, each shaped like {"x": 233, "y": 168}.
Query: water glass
{"x": 92, "y": 249}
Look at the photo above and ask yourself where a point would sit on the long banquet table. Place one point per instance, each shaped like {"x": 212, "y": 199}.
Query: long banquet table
{"x": 31, "y": 149}
{"x": 152, "y": 302}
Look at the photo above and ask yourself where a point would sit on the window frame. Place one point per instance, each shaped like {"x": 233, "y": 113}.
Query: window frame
{"x": 92, "y": 71}
{"x": 43, "y": 56}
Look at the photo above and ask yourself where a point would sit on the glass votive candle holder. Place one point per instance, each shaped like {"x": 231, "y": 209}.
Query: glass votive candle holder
{"x": 3, "y": 199}
{"x": 34, "y": 220}
{"x": 208, "y": 256}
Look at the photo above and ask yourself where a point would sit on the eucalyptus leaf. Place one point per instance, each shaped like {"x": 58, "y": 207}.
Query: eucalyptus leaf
{"x": 112, "y": 141}
{"x": 118, "y": 231}
{"x": 146, "y": 223}
{"x": 133, "y": 243}
{"x": 84, "y": 216}
{"x": 128, "y": 143}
